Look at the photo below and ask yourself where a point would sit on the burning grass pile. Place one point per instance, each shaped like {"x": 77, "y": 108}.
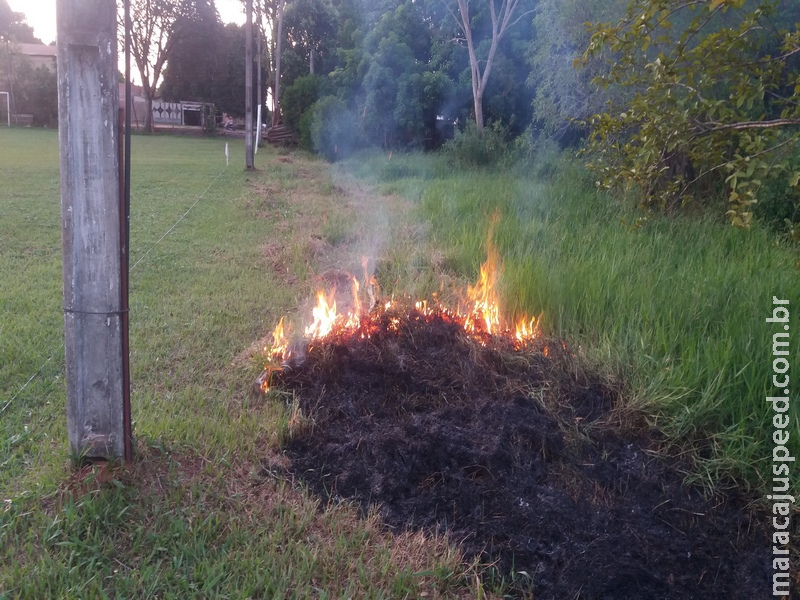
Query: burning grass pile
{"x": 517, "y": 452}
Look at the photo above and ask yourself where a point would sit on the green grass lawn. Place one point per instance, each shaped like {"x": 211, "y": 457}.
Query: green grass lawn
{"x": 672, "y": 311}
{"x": 200, "y": 513}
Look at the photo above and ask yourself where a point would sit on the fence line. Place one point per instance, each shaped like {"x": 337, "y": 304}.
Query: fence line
{"x": 174, "y": 225}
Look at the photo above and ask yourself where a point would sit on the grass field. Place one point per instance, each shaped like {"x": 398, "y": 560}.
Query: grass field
{"x": 671, "y": 310}
{"x": 197, "y": 515}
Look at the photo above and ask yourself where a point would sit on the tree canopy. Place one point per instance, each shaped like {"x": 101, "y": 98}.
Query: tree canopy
{"x": 13, "y": 26}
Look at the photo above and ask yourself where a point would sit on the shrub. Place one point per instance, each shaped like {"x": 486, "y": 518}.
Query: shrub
{"x": 334, "y": 129}
{"x": 470, "y": 148}
{"x": 298, "y": 98}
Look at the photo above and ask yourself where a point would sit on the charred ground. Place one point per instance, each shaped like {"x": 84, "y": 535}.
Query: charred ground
{"x": 522, "y": 457}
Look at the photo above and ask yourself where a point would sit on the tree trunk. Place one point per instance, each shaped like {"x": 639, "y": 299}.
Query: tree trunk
{"x": 276, "y": 114}
{"x": 478, "y": 104}
{"x": 148, "y": 117}
{"x": 260, "y": 97}
{"x": 500, "y": 23}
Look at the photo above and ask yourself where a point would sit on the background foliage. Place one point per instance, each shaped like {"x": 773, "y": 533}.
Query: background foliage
{"x": 711, "y": 102}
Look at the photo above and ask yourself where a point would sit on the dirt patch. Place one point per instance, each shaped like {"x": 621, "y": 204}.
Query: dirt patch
{"x": 514, "y": 454}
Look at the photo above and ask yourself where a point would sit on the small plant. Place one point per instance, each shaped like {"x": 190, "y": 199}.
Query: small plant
{"x": 209, "y": 120}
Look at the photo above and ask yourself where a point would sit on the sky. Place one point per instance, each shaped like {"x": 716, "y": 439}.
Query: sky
{"x": 41, "y": 15}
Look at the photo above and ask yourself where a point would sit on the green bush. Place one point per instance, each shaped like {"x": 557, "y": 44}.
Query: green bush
{"x": 37, "y": 94}
{"x": 334, "y": 129}
{"x": 778, "y": 203}
{"x": 298, "y": 98}
{"x": 304, "y": 130}
{"x": 471, "y": 148}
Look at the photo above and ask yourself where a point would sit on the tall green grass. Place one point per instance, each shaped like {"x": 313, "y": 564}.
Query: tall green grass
{"x": 673, "y": 307}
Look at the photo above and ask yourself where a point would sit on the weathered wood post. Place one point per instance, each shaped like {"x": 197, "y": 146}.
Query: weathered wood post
{"x": 88, "y": 101}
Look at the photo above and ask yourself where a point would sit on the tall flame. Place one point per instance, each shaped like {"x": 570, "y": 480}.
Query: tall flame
{"x": 324, "y": 314}
{"x": 280, "y": 343}
{"x": 484, "y": 312}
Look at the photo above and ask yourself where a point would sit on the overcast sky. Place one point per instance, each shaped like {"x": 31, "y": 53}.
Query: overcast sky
{"x": 41, "y": 15}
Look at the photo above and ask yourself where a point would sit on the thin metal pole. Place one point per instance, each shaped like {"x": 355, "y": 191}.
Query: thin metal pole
{"x": 126, "y": 244}
{"x": 127, "y": 443}
{"x": 248, "y": 87}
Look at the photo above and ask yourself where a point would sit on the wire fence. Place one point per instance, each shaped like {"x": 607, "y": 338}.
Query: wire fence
{"x": 150, "y": 249}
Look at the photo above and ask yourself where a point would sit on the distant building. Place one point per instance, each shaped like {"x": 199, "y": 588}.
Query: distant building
{"x": 39, "y": 55}
{"x": 164, "y": 113}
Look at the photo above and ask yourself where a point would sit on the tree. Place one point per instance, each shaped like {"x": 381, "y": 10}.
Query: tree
{"x": 400, "y": 93}
{"x": 37, "y": 94}
{"x": 197, "y": 48}
{"x": 13, "y": 26}
{"x": 311, "y": 27}
{"x": 271, "y": 14}
{"x": 713, "y": 100}
{"x": 563, "y": 95}
{"x": 207, "y": 65}
{"x": 152, "y": 27}
{"x": 501, "y": 20}
{"x": 13, "y": 29}
{"x": 228, "y": 84}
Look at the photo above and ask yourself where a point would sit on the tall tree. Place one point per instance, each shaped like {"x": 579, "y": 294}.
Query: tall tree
{"x": 398, "y": 90}
{"x": 507, "y": 15}
{"x": 271, "y": 13}
{"x": 197, "y": 50}
{"x": 152, "y": 26}
{"x": 563, "y": 95}
{"x": 228, "y": 85}
{"x": 311, "y": 27}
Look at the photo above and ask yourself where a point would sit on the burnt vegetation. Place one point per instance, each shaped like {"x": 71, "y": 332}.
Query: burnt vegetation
{"x": 521, "y": 455}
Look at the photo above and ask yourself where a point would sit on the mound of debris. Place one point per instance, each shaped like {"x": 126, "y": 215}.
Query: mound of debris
{"x": 514, "y": 452}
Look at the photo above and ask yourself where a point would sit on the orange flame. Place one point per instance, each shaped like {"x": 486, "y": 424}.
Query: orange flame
{"x": 280, "y": 343}
{"x": 526, "y": 329}
{"x": 484, "y": 315}
{"x": 324, "y": 314}
{"x": 480, "y": 318}
{"x": 278, "y": 352}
